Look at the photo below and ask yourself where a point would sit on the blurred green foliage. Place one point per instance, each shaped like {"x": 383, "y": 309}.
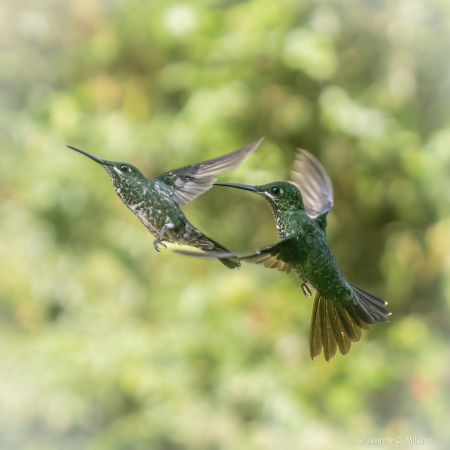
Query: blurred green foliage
{"x": 106, "y": 344}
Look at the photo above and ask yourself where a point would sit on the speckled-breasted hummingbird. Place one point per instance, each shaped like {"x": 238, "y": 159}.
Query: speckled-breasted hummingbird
{"x": 340, "y": 310}
{"x": 156, "y": 202}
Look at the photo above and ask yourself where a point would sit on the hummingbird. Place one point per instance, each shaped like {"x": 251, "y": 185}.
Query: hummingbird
{"x": 156, "y": 203}
{"x": 340, "y": 310}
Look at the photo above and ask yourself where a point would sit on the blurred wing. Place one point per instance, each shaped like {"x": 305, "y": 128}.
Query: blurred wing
{"x": 273, "y": 256}
{"x": 190, "y": 181}
{"x": 314, "y": 184}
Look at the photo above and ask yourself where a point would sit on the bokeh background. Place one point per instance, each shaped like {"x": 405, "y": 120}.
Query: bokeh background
{"x": 106, "y": 344}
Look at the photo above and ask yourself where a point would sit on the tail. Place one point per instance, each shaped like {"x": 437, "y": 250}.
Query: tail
{"x": 208, "y": 244}
{"x": 338, "y": 323}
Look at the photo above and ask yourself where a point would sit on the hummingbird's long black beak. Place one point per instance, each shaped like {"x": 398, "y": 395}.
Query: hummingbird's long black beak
{"x": 246, "y": 187}
{"x": 94, "y": 158}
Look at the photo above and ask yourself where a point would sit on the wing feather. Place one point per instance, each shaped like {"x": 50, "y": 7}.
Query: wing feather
{"x": 314, "y": 184}
{"x": 190, "y": 181}
{"x": 273, "y": 256}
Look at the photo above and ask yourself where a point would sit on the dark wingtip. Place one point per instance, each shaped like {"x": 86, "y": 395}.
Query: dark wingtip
{"x": 228, "y": 259}
{"x": 230, "y": 264}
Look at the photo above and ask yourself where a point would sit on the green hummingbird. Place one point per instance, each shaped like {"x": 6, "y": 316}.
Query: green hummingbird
{"x": 341, "y": 310}
{"x": 156, "y": 202}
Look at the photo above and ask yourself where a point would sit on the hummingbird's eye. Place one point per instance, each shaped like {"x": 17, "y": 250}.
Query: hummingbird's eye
{"x": 276, "y": 191}
{"x": 125, "y": 169}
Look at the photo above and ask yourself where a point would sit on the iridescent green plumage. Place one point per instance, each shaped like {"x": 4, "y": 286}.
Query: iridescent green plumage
{"x": 340, "y": 310}
{"x": 156, "y": 202}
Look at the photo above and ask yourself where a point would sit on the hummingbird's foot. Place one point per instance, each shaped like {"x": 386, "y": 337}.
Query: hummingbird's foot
{"x": 306, "y": 290}
{"x": 157, "y": 242}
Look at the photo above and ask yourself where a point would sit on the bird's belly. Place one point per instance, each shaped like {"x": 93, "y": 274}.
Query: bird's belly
{"x": 320, "y": 270}
{"x": 149, "y": 222}
{"x": 152, "y": 218}
{"x": 327, "y": 280}
{"x": 154, "y": 209}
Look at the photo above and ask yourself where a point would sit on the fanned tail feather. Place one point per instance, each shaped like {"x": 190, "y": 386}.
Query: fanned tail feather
{"x": 337, "y": 323}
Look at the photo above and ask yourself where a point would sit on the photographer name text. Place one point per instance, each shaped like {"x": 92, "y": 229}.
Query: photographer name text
{"x": 398, "y": 440}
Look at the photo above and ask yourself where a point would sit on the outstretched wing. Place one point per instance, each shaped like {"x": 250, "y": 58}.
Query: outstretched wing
{"x": 190, "y": 181}
{"x": 314, "y": 184}
{"x": 275, "y": 256}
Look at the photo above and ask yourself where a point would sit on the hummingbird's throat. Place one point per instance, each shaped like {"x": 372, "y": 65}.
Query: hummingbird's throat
{"x": 111, "y": 175}
{"x": 282, "y": 220}
{"x": 116, "y": 180}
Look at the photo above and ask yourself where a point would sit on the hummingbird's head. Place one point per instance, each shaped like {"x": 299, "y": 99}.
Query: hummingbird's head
{"x": 121, "y": 173}
{"x": 281, "y": 195}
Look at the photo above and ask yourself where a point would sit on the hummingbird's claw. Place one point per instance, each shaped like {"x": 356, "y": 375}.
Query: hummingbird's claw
{"x": 306, "y": 290}
{"x": 157, "y": 242}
